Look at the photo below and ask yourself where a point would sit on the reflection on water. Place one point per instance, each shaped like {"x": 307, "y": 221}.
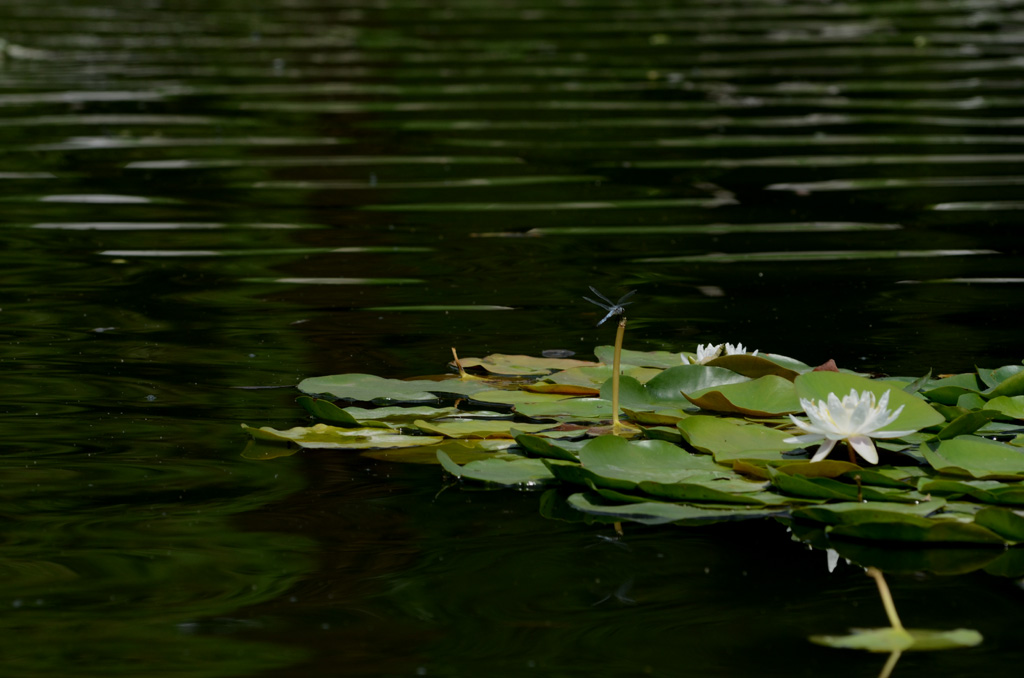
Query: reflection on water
{"x": 198, "y": 200}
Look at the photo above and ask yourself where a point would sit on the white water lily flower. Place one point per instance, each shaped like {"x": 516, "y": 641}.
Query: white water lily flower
{"x": 855, "y": 419}
{"x": 738, "y": 349}
{"x": 704, "y": 354}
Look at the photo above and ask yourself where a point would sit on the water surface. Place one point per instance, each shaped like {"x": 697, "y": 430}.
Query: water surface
{"x": 203, "y": 203}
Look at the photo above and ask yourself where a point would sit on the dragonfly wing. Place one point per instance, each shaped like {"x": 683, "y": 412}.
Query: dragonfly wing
{"x": 598, "y": 303}
{"x": 600, "y": 296}
{"x": 625, "y": 296}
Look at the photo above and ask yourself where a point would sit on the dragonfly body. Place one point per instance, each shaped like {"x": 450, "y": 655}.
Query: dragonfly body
{"x": 614, "y": 308}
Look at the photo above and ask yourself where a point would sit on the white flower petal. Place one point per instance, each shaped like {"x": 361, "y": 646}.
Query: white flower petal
{"x": 863, "y": 446}
{"x": 891, "y": 434}
{"x": 823, "y": 451}
{"x": 804, "y": 439}
{"x": 832, "y": 557}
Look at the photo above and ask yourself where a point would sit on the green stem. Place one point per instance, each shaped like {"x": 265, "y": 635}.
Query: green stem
{"x": 890, "y": 664}
{"x": 616, "y": 361}
{"x": 883, "y": 590}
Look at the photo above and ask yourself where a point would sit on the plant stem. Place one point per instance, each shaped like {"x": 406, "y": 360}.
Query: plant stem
{"x": 616, "y": 361}
{"x": 849, "y": 448}
{"x": 890, "y": 664}
{"x": 883, "y": 590}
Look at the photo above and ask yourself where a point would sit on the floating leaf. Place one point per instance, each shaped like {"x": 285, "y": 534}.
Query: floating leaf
{"x": 323, "y": 436}
{"x": 538, "y": 446}
{"x": 731, "y": 436}
{"x": 594, "y": 409}
{"x": 367, "y": 387}
{"x": 632, "y": 394}
{"x": 460, "y": 451}
{"x": 949, "y": 389}
{"x": 1011, "y": 386}
{"x": 662, "y": 359}
{"x": 381, "y": 417}
{"x": 992, "y": 378}
{"x": 856, "y": 512}
{"x": 522, "y": 365}
{"x": 475, "y": 428}
{"x": 916, "y": 414}
{"x": 762, "y": 397}
{"x": 617, "y": 459}
{"x": 755, "y": 366}
{"x": 657, "y": 513}
{"x": 738, "y": 492}
{"x": 1007, "y": 524}
{"x": 328, "y": 412}
{"x": 969, "y": 422}
{"x": 1008, "y": 406}
{"x": 515, "y": 398}
{"x": 901, "y": 640}
{"x": 829, "y": 488}
{"x": 976, "y": 457}
{"x": 915, "y": 529}
{"x": 525, "y": 472}
{"x": 988, "y": 491}
{"x": 826, "y": 468}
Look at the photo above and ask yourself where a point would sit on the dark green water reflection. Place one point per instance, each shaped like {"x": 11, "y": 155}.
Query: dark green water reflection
{"x": 200, "y": 200}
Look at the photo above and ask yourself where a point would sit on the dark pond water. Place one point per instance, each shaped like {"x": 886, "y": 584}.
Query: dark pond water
{"x": 201, "y": 200}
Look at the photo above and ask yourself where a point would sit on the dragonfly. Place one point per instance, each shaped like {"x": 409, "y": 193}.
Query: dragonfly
{"x": 613, "y": 308}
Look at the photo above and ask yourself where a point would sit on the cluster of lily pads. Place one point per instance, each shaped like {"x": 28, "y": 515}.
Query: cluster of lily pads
{"x": 705, "y": 437}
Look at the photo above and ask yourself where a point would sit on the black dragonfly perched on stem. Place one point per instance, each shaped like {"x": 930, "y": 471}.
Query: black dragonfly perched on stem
{"x": 613, "y": 308}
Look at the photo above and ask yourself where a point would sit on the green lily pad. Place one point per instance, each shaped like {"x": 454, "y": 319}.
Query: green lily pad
{"x": 717, "y": 435}
{"x": 521, "y": 472}
{"x": 657, "y": 513}
{"x": 538, "y": 446}
{"x": 916, "y": 414}
{"x": 763, "y": 397}
{"x": 1007, "y": 379}
{"x": 695, "y": 490}
{"x": 1006, "y": 523}
{"x": 856, "y": 512}
{"x": 1008, "y": 406}
{"x": 901, "y": 640}
{"x": 522, "y": 365}
{"x": 975, "y": 457}
{"x": 827, "y": 468}
{"x": 368, "y": 387}
{"x": 475, "y": 428}
{"x": 323, "y": 436}
{"x": 515, "y": 398}
{"x": 328, "y": 412}
{"x": 829, "y": 488}
{"x": 912, "y": 528}
{"x": 614, "y": 458}
{"x": 669, "y": 386}
{"x": 662, "y": 359}
{"x": 988, "y": 491}
{"x": 594, "y": 409}
{"x": 969, "y": 422}
{"x": 460, "y": 451}
{"x": 755, "y": 366}
{"x": 949, "y": 389}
